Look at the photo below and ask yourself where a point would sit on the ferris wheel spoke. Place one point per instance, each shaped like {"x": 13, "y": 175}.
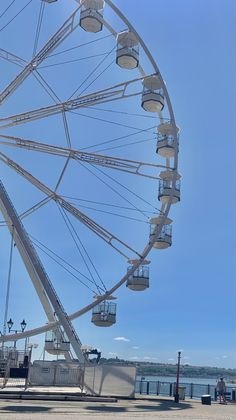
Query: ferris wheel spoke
{"x": 34, "y": 208}
{"x": 47, "y": 88}
{"x": 112, "y": 93}
{"x": 111, "y": 239}
{"x": 100, "y": 231}
{"x": 117, "y": 163}
{"x": 31, "y": 210}
{"x": 65, "y": 30}
{"x": 38, "y": 29}
{"x": 12, "y": 58}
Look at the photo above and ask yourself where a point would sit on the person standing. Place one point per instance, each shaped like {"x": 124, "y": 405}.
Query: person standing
{"x": 221, "y": 389}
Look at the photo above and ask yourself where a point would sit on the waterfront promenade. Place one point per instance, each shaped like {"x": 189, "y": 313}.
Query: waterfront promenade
{"x": 151, "y": 408}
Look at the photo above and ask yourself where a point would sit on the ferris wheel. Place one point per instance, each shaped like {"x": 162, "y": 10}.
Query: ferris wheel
{"x": 89, "y": 157}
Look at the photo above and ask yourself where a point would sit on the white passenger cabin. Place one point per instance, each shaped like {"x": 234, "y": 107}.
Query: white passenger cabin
{"x": 91, "y": 15}
{"x": 164, "y": 239}
{"x": 166, "y": 140}
{"x": 139, "y": 280}
{"x": 127, "y": 52}
{"x": 104, "y": 314}
{"x": 56, "y": 343}
{"x": 167, "y": 188}
{"x": 152, "y": 96}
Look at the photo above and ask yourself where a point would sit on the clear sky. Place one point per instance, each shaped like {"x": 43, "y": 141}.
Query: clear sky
{"x": 190, "y": 305}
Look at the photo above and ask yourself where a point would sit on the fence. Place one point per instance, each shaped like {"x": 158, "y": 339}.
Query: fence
{"x": 192, "y": 390}
{"x": 13, "y": 367}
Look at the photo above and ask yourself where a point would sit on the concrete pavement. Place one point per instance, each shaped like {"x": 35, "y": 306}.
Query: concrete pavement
{"x": 143, "y": 409}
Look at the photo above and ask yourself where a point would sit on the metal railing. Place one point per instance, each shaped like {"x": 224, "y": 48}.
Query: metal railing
{"x": 192, "y": 390}
{"x": 170, "y": 139}
{"x": 141, "y": 271}
{"x": 105, "y": 308}
{"x": 165, "y": 184}
{"x": 127, "y": 49}
{"x": 165, "y": 231}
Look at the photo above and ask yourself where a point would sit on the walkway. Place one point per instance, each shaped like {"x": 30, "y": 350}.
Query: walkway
{"x": 142, "y": 409}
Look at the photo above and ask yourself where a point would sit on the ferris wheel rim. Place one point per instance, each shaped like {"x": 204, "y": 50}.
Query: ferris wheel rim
{"x": 149, "y": 246}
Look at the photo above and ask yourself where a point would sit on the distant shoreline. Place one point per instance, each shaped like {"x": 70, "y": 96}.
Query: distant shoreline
{"x": 168, "y": 370}
{"x": 181, "y": 376}
{"x": 231, "y": 376}
{"x": 183, "y": 380}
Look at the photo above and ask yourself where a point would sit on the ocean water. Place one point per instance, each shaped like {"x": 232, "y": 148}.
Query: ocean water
{"x": 203, "y": 381}
{"x": 192, "y": 387}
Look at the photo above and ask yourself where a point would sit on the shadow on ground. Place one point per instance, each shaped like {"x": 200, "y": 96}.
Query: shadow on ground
{"x": 163, "y": 406}
{"x": 158, "y": 406}
{"x": 107, "y": 409}
{"x": 25, "y": 408}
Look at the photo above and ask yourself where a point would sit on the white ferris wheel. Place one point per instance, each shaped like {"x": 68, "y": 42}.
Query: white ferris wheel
{"x": 89, "y": 160}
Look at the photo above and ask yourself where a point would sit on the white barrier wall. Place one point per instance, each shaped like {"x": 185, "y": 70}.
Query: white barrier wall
{"x": 104, "y": 380}
{"x": 46, "y": 373}
{"x": 110, "y": 380}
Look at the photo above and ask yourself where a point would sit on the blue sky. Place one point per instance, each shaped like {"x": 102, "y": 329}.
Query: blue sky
{"x": 190, "y": 304}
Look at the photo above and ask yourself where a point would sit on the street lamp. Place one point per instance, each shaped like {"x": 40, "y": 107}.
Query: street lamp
{"x": 23, "y": 325}
{"x": 10, "y": 324}
{"x": 177, "y": 379}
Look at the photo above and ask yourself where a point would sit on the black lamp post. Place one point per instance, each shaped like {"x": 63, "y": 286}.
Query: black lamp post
{"x": 10, "y": 324}
{"x": 23, "y": 325}
{"x": 177, "y": 379}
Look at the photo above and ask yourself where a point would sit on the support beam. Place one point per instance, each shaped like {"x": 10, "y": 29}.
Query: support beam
{"x": 8, "y": 56}
{"x": 100, "y": 231}
{"x": 125, "y": 165}
{"x": 38, "y": 275}
{"x": 109, "y": 94}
